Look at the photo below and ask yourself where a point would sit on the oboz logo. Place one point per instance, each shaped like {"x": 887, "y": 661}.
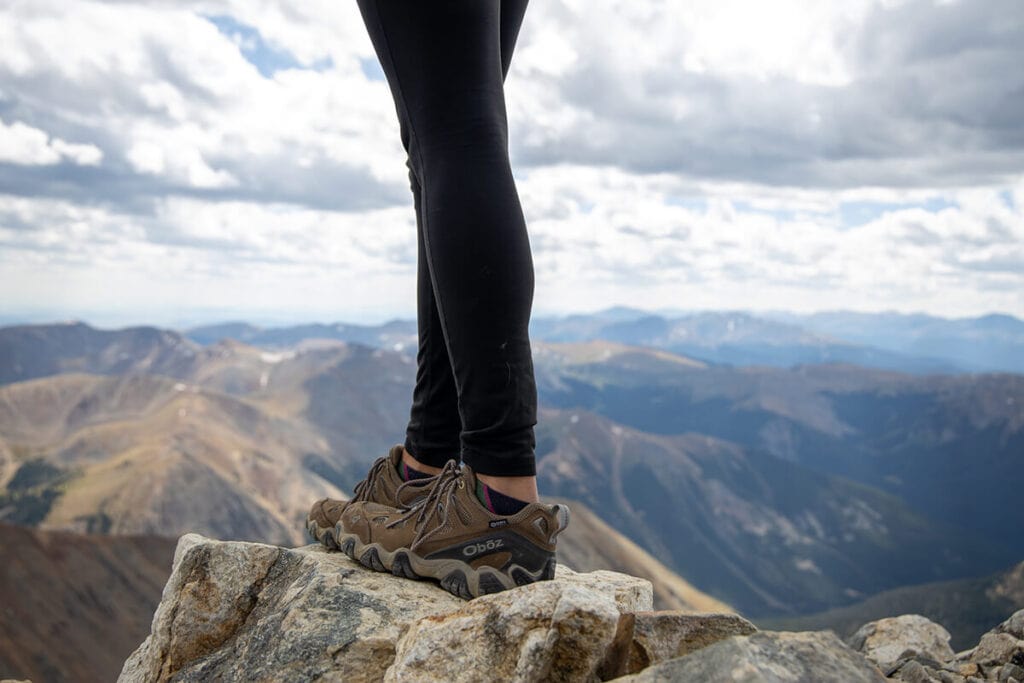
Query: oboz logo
{"x": 483, "y": 547}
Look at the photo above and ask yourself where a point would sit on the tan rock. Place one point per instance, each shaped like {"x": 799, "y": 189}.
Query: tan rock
{"x": 887, "y": 640}
{"x": 779, "y": 657}
{"x": 247, "y": 611}
{"x": 997, "y": 648}
{"x": 631, "y": 594}
{"x": 967, "y": 668}
{"x": 552, "y": 631}
{"x": 1013, "y": 626}
{"x": 658, "y": 636}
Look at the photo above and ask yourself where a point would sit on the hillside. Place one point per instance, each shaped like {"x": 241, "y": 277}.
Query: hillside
{"x": 141, "y": 454}
{"x": 758, "y": 532}
{"x": 589, "y": 544}
{"x": 72, "y": 607}
{"x": 967, "y": 608}
{"x": 916, "y": 437}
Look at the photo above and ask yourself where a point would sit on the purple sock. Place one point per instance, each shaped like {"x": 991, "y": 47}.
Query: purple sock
{"x": 496, "y": 501}
{"x": 407, "y": 473}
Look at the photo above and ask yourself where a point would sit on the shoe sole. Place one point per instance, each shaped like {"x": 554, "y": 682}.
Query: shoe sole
{"x": 455, "y": 576}
{"x": 322, "y": 535}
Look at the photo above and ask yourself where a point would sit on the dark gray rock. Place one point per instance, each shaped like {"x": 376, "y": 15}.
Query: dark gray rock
{"x": 1011, "y": 672}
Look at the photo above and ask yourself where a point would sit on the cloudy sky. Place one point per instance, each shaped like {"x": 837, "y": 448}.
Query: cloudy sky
{"x": 172, "y": 161}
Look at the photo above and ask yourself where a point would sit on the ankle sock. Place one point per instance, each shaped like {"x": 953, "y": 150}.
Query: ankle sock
{"x": 408, "y": 474}
{"x": 496, "y": 501}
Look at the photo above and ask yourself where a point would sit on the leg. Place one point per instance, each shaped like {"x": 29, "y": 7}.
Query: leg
{"x": 434, "y": 424}
{"x": 447, "y": 83}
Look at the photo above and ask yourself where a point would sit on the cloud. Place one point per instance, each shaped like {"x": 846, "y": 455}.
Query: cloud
{"x": 174, "y": 106}
{"x": 23, "y": 144}
{"x": 168, "y": 154}
{"x": 802, "y": 94}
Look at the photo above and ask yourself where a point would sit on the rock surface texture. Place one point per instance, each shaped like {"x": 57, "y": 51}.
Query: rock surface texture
{"x": 887, "y": 640}
{"x": 235, "y": 611}
{"x": 772, "y": 657}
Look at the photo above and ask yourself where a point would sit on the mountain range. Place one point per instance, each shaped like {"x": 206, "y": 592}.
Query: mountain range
{"x": 914, "y": 343}
{"x": 778, "y": 490}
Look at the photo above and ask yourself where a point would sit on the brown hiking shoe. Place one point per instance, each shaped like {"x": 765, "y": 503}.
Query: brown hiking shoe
{"x": 381, "y": 485}
{"x": 450, "y": 536}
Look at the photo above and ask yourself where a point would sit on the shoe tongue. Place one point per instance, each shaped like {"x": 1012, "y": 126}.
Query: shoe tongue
{"x": 469, "y": 476}
{"x": 395, "y": 455}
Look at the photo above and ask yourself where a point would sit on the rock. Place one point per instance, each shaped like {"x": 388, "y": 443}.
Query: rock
{"x": 915, "y": 672}
{"x": 1011, "y": 672}
{"x": 967, "y": 669}
{"x": 997, "y": 648}
{"x": 630, "y": 593}
{"x": 1013, "y": 626}
{"x": 248, "y": 611}
{"x": 663, "y": 635}
{"x": 916, "y": 668}
{"x": 886, "y": 641}
{"x": 552, "y": 632}
{"x": 767, "y": 657}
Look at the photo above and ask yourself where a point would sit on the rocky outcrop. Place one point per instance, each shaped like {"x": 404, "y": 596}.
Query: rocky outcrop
{"x": 233, "y": 611}
{"x": 246, "y": 611}
{"x": 914, "y": 649}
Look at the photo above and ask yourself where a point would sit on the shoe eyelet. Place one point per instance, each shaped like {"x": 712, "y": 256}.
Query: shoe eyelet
{"x": 462, "y": 484}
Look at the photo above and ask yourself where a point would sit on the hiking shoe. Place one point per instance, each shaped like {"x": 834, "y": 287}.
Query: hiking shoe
{"x": 381, "y": 485}
{"x": 451, "y": 537}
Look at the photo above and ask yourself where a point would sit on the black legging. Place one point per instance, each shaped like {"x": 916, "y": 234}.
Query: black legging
{"x": 475, "y": 395}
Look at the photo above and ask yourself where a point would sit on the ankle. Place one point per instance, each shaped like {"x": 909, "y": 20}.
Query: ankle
{"x": 520, "y": 488}
{"x": 415, "y": 464}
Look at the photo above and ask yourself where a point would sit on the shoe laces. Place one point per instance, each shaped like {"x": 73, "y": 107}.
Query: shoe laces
{"x": 437, "y": 504}
{"x": 363, "y": 488}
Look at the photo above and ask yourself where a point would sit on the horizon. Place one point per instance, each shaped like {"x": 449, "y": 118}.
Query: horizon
{"x": 101, "y": 322}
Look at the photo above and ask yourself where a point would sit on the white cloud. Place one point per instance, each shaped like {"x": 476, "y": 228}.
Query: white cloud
{"x": 172, "y": 98}
{"x": 23, "y": 144}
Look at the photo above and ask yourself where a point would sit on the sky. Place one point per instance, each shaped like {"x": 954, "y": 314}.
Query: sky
{"x": 176, "y": 162}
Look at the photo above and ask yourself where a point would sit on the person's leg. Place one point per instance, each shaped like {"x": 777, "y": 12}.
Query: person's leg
{"x": 432, "y": 434}
{"x": 512, "y": 12}
{"x": 447, "y": 84}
